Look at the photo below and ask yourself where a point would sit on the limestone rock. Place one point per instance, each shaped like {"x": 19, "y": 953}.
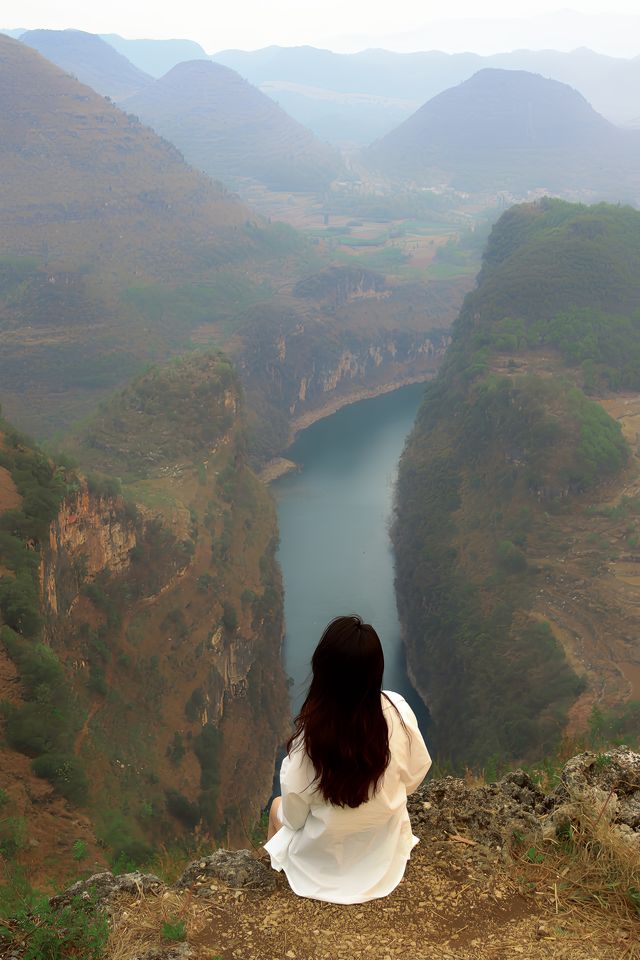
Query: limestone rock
{"x": 103, "y": 887}
{"x": 615, "y": 771}
{"x": 489, "y": 814}
{"x": 235, "y": 868}
{"x": 608, "y": 784}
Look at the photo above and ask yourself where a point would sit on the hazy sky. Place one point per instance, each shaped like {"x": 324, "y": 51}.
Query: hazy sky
{"x": 612, "y": 27}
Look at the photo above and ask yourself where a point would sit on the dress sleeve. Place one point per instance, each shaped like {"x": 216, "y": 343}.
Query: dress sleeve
{"x": 417, "y": 760}
{"x": 296, "y": 783}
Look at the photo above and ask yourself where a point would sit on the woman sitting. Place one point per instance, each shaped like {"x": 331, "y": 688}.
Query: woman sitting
{"x": 341, "y": 830}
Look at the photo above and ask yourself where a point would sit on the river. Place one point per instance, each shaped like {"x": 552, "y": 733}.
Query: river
{"x": 334, "y": 516}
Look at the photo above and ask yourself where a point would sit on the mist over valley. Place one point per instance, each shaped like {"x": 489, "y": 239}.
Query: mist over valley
{"x": 234, "y": 286}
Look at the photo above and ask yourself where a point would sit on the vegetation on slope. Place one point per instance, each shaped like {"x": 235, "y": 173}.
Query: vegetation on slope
{"x": 158, "y": 663}
{"x": 506, "y": 440}
{"x": 44, "y": 724}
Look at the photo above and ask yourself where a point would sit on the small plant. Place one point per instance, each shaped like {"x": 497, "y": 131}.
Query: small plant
{"x": 80, "y": 850}
{"x": 77, "y": 930}
{"x": 174, "y": 931}
{"x": 602, "y": 760}
{"x": 633, "y": 895}
{"x": 4, "y": 798}
{"x": 12, "y": 837}
{"x": 534, "y": 856}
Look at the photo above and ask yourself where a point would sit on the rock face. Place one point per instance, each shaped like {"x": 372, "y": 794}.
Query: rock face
{"x": 162, "y": 617}
{"x": 90, "y": 530}
{"x": 297, "y": 359}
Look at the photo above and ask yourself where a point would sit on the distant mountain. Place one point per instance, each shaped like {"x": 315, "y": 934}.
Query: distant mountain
{"x": 14, "y": 33}
{"x": 512, "y": 130}
{"x": 228, "y": 128}
{"x": 93, "y": 204}
{"x": 84, "y": 173}
{"x": 155, "y": 57}
{"x": 90, "y": 59}
{"x": 305, "y": 81}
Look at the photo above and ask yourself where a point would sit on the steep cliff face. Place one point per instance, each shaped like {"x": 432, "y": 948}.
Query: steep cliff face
{"x": 91, "y": 535}
{"x": 348, "y": 330}
{"x": 162, "y": 605}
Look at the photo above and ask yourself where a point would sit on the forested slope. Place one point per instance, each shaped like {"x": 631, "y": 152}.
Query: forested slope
{"x": 141, "y": 690}
{"x": 500, "y": 496}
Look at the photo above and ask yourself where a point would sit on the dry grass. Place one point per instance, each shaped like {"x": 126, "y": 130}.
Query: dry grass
{"x": 589, "y": 877}
{"x": 138, "y": 924}
{"x": 169, "y": 862}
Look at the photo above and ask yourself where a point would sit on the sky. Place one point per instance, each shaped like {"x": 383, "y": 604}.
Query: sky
{"x": 347, "y": 25}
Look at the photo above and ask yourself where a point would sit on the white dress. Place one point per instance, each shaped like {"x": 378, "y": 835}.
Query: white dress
{"x": 345, "y": 854}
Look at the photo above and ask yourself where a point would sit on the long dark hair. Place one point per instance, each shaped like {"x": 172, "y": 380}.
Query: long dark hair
{"x": 341, "y": 722}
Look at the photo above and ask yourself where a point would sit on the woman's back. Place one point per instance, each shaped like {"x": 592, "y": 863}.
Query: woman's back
{"x": 346, "y": 854}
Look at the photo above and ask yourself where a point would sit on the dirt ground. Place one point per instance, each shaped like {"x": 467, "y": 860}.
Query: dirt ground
{"x": 456, "y": 902}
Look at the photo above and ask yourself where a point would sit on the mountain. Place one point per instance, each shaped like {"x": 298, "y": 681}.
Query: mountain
{"x": 325, "y": 90}
{"x": 78, "y": 175}
{"x": 155, "y": 57}
{"x": 225, "y": 126}
{"x": 90, "y": 59}
{"x": 518, "y": 517}
{"x": 93, "y": 204}
{"x": 512, "y": 130}
{"x": 140, "y": 625}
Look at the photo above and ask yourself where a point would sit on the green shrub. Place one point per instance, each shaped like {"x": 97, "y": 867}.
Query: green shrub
{"x": 182, "y": 808}
{"x": 65, "y": 773}
{"x": 229, "y": 617}
{"x": 207, "y": 750}
{"x": 78, "y": 930}
{"x": 80, "y": 850}
{"x": 511, "y": 558}
{"x": 20, "y": 604}
{"x": 13, "y": 835}
{"x": 127, "y": 851}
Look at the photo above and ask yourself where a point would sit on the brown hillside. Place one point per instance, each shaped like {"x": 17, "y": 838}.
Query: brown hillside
{"x": 230, "y": 129}
{"x": 80, "y": 178}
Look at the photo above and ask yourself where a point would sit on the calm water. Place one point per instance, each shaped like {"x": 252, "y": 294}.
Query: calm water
{"x": 334, "y": 520}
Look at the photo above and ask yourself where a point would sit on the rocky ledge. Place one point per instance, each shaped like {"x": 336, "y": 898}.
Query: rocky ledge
{"x": 461, "y": 897}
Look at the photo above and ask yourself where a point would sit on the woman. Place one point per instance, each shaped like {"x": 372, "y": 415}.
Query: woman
{"x": 341, "y": 830}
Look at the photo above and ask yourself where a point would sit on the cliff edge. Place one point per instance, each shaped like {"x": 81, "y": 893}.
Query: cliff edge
{"x": 502, "y": 870}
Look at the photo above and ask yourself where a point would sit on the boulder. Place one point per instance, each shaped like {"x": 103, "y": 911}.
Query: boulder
{"x": 101, "y": 888}
{"x": 235, "y": 868}
{"x": 490, "y": 814}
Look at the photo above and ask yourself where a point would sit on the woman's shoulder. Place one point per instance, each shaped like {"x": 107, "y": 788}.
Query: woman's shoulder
{"x": 391, "y": 699}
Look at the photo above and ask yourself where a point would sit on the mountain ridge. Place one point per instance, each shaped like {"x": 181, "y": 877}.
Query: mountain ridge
{"x": 92, "y": 60}
{"x": 230, "y": 129}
